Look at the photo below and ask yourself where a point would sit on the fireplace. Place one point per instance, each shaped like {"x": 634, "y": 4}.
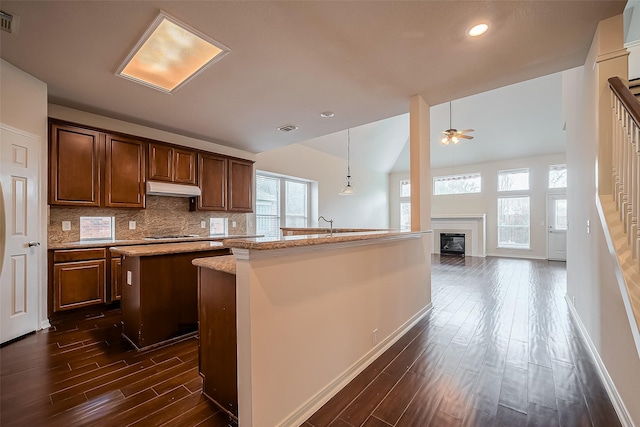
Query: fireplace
{"x": 452, "y": 244}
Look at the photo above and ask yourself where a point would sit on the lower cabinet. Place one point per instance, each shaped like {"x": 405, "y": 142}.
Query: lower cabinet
{"x": 79, "y": 278}
{"x": 116, "y": 279}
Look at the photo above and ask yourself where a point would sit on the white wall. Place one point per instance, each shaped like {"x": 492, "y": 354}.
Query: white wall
{"x": 367, "y": 209}
{"x": 591, "y": 275}
{"x": 486, "y": 202}
{"x": 23, "y": 105}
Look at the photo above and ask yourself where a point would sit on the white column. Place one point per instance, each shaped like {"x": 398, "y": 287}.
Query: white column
{"x": 420, "y": 164}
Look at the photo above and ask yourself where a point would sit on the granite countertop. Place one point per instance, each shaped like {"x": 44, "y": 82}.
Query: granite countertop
{"x": 323, "y": 230}
{"x": 226, "y": 264}
{"x": 147, "y": 241}
{"x": 266, "y": 243}
{"x": 166, "y": 248}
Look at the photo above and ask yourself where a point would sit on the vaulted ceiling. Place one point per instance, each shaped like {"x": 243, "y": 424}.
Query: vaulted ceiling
{"x": 291, "y": 60}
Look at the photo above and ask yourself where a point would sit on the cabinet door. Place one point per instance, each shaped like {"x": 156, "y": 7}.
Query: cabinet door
{"x": 78, "y": 284}
{"x": 240, "y": 186}
{"x": 74, "y": 166}
{"x": 116, "y": 279}
{"x": 160, "y": 162}
{"x": 212, "y": 171}
{"x": 125, "y": 171}
{"x": 184, "y": 167}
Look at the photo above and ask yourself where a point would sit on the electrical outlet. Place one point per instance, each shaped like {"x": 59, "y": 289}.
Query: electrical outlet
{"x": 132, "y": 225}
{"x": 129, "y": 278}
{"x": 573, "y": 300}
{"x": 203, "y": 224}
{"x": 588, "y": 227}
{"x": 66, "y": 225}
{"x": 374, "y": 337}
{"x": 233, "y": 224}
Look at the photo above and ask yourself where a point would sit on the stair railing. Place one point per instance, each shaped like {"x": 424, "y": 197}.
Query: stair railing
{"x": 626, "y": 160}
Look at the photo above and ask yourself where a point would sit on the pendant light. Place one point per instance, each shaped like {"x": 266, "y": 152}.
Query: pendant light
{"x": 348, "y": 189}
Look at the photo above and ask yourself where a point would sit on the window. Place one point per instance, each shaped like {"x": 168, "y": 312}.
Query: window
{"x": 513, "y": 222}
{"x": 513, "y": 180}
{"x": 218, "y": 226}
{"x": 96, "y": 227}
{"x": 558, "y": 176}
{"x": 270, "y": 203}
{"x": 405, "y": 204}
{"x": 405, "y": 188}
{"x": 457, "y": 184}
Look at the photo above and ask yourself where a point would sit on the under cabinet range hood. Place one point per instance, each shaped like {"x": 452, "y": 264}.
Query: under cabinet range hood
{"x": 155, "y": 188}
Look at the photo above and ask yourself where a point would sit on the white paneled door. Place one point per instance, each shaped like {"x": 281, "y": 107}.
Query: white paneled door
{"x": 557, "y": 226}
{"x": 19, "y": 228}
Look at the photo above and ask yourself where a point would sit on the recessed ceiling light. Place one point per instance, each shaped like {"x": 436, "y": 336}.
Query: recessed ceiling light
{"x": 478, "y": 30}
{"x": 287, "y": 128}
{"x": 327, "y": 114}
{"x": 169, "y": 54}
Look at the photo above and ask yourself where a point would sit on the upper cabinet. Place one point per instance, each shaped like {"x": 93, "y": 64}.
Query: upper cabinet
{"x": 240, "y": 186}
{"x": 212, "y": 173}
{"x": 124, "y": 172}
{"x": 171, "y": 164}
{"x": 91, "y": 168}
{"x": 226, "y": 184}
{"x": 75, "y": 166}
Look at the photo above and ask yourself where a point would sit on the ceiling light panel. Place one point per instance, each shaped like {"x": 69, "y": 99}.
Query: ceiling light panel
{"x": 169, "y": 54}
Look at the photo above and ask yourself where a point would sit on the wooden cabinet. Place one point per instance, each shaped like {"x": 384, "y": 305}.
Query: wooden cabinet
{"x": 161, "y": 302}
{"x": 171, "y": 164}
{"x": 226, "y": 184}
{"x": 240, "y": 197}
{"x": 116, "y": 279}
{"x": 124, "y": 172}
{"x": 217, "y": 351}
{"x": 212, "y": 171}
{"x": 75, "y": 166}
{"x": 78, "y": 278}
{"x": 91, "y": 168}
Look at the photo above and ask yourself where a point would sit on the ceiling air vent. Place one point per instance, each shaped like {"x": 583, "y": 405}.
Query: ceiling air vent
{"x": 287, "y": 128}
{"x": 7, "y": 22}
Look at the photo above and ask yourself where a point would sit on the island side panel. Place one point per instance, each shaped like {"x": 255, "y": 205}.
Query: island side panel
{"x": 217, "y": 331}
{"x": 305, "y": 321}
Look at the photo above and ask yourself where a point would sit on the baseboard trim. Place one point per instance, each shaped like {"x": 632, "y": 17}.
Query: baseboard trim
{"x": 496, "y": 255}
{"x": 610, "y": 387}
{"x": 300, "y": 415}
{"x": 45, "y": 324}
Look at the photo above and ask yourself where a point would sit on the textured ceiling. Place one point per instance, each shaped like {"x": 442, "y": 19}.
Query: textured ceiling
{"x": 291, "y": 60}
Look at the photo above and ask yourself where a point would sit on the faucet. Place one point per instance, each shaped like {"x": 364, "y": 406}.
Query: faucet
{"x": 330, "y": 221}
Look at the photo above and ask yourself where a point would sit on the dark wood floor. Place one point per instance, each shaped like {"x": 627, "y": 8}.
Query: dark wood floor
{"x": 497, "y": 349}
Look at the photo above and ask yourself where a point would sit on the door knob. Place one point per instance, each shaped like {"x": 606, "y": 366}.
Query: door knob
{"x": 32, "y": 244}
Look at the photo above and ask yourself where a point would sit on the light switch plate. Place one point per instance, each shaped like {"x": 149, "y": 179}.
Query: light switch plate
{"x": 128, "y": 277}
{"x": 233, "y": 224}
{"x": 66, "y": 225}
{"x": 132, "y": 225}
{"x": 203, "y": 224}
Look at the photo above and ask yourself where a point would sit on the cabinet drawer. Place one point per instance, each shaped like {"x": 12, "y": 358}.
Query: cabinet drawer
{"x": 69, "y": 255}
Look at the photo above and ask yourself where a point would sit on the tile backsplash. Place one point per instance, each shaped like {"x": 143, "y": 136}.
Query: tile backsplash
{"x": 163, "y": 216}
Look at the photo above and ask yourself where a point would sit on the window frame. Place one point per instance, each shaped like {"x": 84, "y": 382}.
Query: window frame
{"x": 471, "y": 175}
{"x": 514, "y": 171}
{"x": 404, "y": 200}
{"x": 556, "y": 167}
{"x": 282, "y": 190}
{"x": 498, "y": 226}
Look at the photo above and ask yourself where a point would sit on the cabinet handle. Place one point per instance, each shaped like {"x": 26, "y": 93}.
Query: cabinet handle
{"x": 32, "y": 244}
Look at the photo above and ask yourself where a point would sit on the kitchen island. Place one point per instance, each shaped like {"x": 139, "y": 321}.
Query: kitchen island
{"x": 159, "y": 300}
{"x": 312, "y": 311}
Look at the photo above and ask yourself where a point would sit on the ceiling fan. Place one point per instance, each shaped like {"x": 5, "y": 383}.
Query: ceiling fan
{"x": 452, "y": 135}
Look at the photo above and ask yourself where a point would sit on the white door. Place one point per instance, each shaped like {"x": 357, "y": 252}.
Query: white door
{"x": 557, "y": 224}
{"x": 19, "y": 231}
